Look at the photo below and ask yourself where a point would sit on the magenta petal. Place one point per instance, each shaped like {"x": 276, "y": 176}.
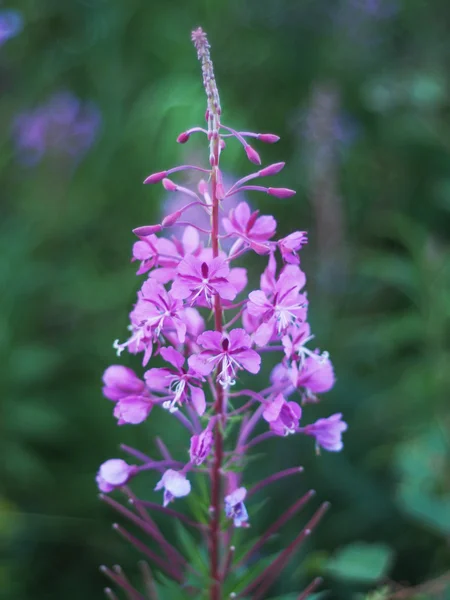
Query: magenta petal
{"x": 250, "y": 360}
{"x": 198, "y": 399}
{"x": 263, "y": 334}
{"x": 180, "y": 290}
{"x": 238, "y": 278}
{"x": 158, "y": 379}
{"x": 226, "y": 290}
{"x": 201, "y": 364}
{"x": 173, "y": 357}
{"x": 210, "y": 340}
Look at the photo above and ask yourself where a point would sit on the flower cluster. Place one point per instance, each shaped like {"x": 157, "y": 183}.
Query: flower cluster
{"x": 187, "y": 275}
{"x": 63, "y": 126}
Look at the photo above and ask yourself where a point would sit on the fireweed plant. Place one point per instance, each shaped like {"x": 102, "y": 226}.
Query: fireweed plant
{"x": 188, "y": 278}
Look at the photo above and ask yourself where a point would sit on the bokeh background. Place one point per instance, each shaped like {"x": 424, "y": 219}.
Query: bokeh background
{"x": 93, "y": 95}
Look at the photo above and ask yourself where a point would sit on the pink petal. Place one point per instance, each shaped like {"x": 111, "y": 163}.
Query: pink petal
{"x": 258, "y": 303}
{"x": 210, "y": 340}
{"x": 198, "y": 399}
{"x": 158, "y": 379}
{"x": 132, "y": 410}
{"x": 190, "y": 266}
{"x": 218, "y": 267}
{"x": 272, "y": 410}
{"x": 239, "y": 338}
{"x": 191, "y": 239}
{"x": 263, "y": 334}
{"x": 173, "y": 357}
{"x": 264, "y": 226}
{"x": 201, "y": 364}
{"x": 225, "y": 289}
{"x": 180, "y": 290}
{"x": 238, "y": 277}
{"x": 241, "y": 215}
{"x": 250, "y": 360}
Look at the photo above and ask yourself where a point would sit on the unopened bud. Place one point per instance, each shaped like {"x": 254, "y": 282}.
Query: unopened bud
{"x": 272, "y": 169}
{"x": 202, "y": 187}
{"x": 147, "y": 230}
{"x": 222, "y": 144}
{"x": 183, "y": 137}
{"x": 156, "y": 177}
{"x": 268, "y": 138}
{"x": 169, "y": 185}
{"x": 252, "y": 155}
{"x": 281, "y": 192}
{"x": 172, "y": 218}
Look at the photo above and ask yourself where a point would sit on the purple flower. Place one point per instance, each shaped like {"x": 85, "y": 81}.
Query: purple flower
{"x": 230, "y": 352}
{"x": 249, "y": 228}
{"x": 201, "y": 445}
{"x": 180, "y": 384}
{"x": 63, "y": 126}
{"x": 11, "y": 24}
{"x": 316, "y": 374}
{"x": 282, "y": 416}
{"x": 175, "y": 485}
{"x": 156, "y": 312}
{"x": 203, "y": 279}
{"x": 113, "y": 474}
{"x": 146, "y": 252}
{"x": 120, "y": 382}
{"x": 235, "y": 507}
{"x": 328, "y": 432}
{"x": 290, "y": 245}
{"x": 133, "y": 410}
{"x": 281, "y": 309}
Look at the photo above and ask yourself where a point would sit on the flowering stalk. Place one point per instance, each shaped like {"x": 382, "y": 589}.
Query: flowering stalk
{"x": 186, "y": 277}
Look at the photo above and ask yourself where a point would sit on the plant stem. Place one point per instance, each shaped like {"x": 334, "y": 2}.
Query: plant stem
{"x": 216, "y": 468}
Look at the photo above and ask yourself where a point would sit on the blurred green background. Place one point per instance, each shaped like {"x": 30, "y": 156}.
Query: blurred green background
{"x": 93, "y": 95}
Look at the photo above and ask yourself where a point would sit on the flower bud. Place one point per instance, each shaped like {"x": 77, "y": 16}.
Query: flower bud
{"x": 272, "y": 169}
{"x": 252, "y": 155}
{"x": 200, "y": 446}
{"x": 147, "y": 230}
{"x": 281, "y": 192}
{"x": 172, "y": 218}
{"x": 169, "y": 185}
{"x": 156, "y": 177}
{"x": 268, "y": 138}
{"x": 183, "y": 137}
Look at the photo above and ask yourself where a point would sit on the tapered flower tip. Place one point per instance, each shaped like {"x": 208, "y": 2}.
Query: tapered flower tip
{"x": 281, "y": 192}
{"x": 252, "y": 155}
{"x": 272, "y": 169}
{"x": 183, "y": 137}
{"x": 169, "y": 185}
{"x": 172, "y": 218}
{"x": 147, "y": 230}
{"x": 156, "y": 177}
{"x": 202, "y": 187}
{"x": 268, "y": 138}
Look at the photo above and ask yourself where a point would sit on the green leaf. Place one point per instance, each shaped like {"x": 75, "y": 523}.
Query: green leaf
{"x": 366, "y": 563}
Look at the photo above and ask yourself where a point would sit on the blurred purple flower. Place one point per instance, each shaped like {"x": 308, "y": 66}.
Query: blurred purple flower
{"x": 11, "y": 24}
{"x": 62, "y": 126}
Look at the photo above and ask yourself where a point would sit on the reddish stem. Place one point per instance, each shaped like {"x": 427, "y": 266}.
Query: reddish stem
{"x": 214, "y": 527}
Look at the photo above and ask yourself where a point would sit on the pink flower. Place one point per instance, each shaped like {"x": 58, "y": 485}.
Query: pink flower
{"x": 328, "y": 432}
{"x": 282, "y": 416}
{"x": 278, "y": 311}
{"x": 290, "y": 245}
{"x": 316, "y": 375}
{"x": 172, "y": 251}
{"x": 146, "y": 251}
{"x": 177, "y": 382}
{"x": 175, "y": 485}
{"x": 113, "y": 474}
{"x": 250, "y": 228}
{"x": 229, "y": 352}
{"x": 133, "y": 410}
{"x": 201, "y": 445}
{"x": 203, "y": 279}
{"x": 235, "y": 507}
{"x": 156, "y": 312}
{"x": 120, "y": 382}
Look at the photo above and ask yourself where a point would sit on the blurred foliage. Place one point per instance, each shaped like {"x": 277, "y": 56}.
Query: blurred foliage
{"x": 374, "y": 193}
